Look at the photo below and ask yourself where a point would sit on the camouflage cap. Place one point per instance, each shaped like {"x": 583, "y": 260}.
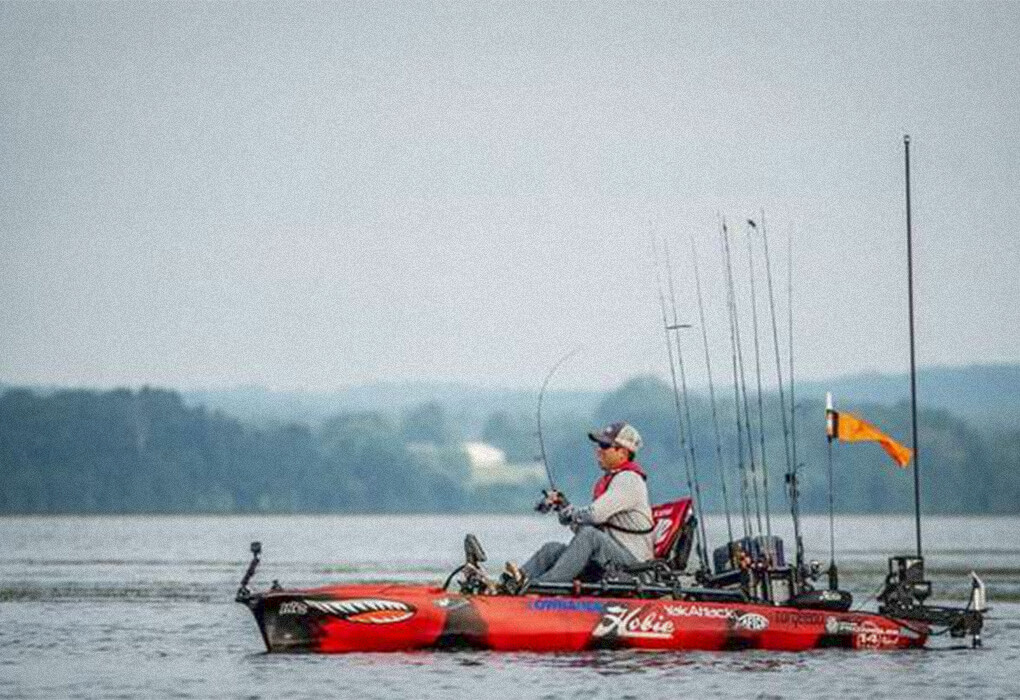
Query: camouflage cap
{"x": 619, "y": 434}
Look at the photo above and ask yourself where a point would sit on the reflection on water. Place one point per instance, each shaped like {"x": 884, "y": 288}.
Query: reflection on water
{"x": 140, "y": 607}
{"x": 663, "y": 664}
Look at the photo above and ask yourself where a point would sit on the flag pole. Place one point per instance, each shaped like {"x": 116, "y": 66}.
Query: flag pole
{"x": 830, "y": 434}
{"x": 913, "y": 365}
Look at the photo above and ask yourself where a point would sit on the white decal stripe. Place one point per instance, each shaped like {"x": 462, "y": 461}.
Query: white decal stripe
{"x": 347, "y": 608}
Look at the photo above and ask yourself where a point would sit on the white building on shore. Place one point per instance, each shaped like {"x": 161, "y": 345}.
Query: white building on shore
{"x": 489, "y": 467}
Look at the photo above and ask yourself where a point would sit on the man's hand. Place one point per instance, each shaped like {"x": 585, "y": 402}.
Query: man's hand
{"x": 552, "y": 500}
{"x": 566, "y": 514}
{"x": 557, "y": 499}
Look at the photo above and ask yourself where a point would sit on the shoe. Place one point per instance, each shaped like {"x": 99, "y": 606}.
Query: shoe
{"x": 474, "y": 581}
{"x": 513, "y": 581}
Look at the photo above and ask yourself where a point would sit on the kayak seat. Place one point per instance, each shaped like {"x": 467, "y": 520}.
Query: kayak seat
{"x": 672, "y": 538}
{"x": 670, "y": 519}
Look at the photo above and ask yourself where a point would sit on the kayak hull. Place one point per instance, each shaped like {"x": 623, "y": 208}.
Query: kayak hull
{"x": 362, "y": 618}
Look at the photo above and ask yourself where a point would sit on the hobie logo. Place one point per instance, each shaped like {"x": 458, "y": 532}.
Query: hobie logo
{"x": 371, "y": 611}
{"x": 625, "y": 622}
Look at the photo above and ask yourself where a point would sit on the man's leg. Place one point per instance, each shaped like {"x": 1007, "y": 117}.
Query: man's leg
{"x": 543, "y": 560}
{"x": 589, "y": 544}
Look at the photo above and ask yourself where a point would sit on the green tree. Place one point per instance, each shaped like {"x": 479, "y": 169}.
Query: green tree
{"x": 426, "y": 423}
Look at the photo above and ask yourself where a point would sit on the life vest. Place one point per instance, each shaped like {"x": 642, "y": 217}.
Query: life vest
{"x": 603, "y": 483}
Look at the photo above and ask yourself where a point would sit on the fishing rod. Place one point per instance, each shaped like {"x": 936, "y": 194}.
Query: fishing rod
{"x": 743, "y": 385}
{"x": 744, "y": 506}
{"x": 681, "y": 432}
{"x": 747, "y": 406}
{"x": 711, "y": 395}
{"x": 757, "y": 362}
{"x": 687, "y": 404}
{"x": 775, "y": 341}
{"x": 541, "y": 396}
{"x": 792, "y": 477}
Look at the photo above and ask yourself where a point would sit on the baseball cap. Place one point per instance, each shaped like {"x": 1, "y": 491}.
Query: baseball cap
{"x": 619, "y": 434}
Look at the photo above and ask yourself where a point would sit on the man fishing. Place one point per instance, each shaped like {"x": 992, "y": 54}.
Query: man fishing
{"x": 616, "y": 529}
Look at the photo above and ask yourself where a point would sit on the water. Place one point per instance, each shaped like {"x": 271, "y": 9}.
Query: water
{"x": 142, "y": 607}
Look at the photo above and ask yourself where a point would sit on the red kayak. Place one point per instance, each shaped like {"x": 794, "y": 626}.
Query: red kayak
{"x": 407, "y": 617}
{"x": 760, "y": 604}
{"x": 752, "y": 600}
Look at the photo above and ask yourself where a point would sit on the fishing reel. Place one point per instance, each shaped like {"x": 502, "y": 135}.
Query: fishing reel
{"x": 552, "y": 501}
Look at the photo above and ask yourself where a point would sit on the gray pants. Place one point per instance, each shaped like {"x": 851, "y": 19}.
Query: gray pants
{"x": 556, "y": 562}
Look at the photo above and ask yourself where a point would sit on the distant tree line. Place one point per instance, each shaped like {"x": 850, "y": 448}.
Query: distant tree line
{"x": 148, "y": 452}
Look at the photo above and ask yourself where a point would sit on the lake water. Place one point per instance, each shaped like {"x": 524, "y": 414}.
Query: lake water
{"x": 143, "y": 606}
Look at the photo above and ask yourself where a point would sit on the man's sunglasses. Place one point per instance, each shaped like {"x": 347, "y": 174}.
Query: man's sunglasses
{"x": 605, "y": 446}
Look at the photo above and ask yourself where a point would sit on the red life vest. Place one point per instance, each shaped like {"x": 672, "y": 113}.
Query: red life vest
{"x": 603, "y": 483}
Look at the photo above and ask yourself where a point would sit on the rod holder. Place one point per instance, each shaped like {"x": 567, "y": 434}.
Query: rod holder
{"x": 243, "y": 593}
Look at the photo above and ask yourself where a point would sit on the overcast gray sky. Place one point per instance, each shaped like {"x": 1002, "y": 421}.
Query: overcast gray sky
{"x": 309, "y": 195}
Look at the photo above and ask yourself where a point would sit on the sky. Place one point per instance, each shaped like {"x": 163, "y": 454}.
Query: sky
{"x": 317, "y": 195}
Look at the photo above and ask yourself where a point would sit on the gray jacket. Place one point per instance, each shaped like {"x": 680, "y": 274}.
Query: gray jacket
{"x": 625, "y": 505}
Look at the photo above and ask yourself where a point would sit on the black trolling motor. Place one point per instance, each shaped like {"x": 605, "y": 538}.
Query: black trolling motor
{"x": 906, "y": 591}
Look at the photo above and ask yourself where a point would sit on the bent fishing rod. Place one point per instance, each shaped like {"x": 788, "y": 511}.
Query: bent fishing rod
{"x": 538, "y": 417}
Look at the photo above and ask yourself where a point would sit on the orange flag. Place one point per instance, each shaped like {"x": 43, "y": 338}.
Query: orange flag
{"x": 849, "y": 428}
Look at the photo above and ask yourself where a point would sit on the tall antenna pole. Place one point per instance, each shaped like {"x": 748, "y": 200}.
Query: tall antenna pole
{"x": 913, "y": 365}
{"x": 711, "y": 395}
